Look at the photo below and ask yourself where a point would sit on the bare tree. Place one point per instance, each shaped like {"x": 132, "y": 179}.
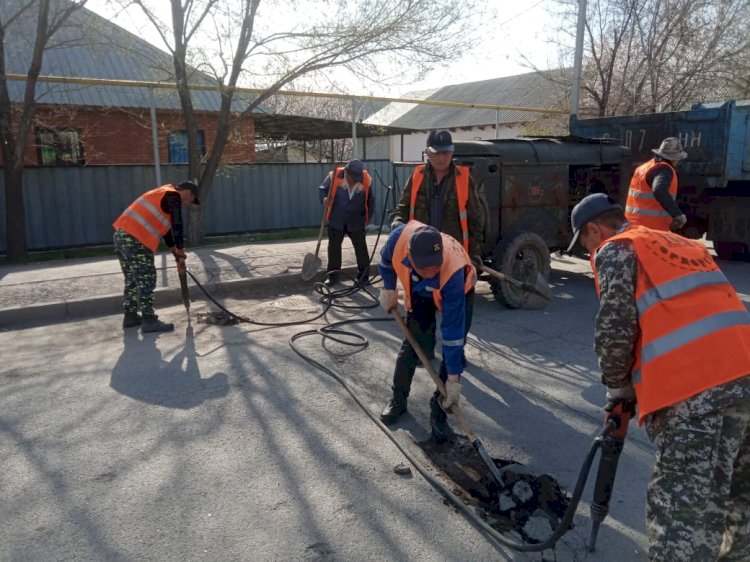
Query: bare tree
{"x": 658, "y": 55}
{"x": 42, "y": 19}
{"x": 271, "y": 44}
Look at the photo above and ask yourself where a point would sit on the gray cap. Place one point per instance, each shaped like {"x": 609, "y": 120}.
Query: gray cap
{"x": 588, "y": 209}
{"x": 670, "y": 149}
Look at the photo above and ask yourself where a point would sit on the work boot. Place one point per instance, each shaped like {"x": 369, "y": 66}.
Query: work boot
{"x": 441, "y": 431}
{"x": 151, "y": 323}
{"x": 131, "y": 319}
{"x": 395, "y": 408}
{"x": 363, "y": 277}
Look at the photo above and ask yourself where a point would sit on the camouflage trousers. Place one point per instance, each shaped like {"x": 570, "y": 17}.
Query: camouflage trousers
{"x": 137, "y": 263}
{"x": 698, "y": 505}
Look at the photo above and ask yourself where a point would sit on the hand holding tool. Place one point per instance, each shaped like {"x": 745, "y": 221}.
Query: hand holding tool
{"x": 388, "y": 299}
{"x": 617, "y": 414}
{"x": 452, "y": 395}
{"x": 677, "y": 223}
{"x": 455, "y": 410}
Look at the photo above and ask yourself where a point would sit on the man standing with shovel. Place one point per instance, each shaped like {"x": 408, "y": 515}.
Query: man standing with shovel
{"x": 348, "y": 203}
{"x": 437, "y": 276}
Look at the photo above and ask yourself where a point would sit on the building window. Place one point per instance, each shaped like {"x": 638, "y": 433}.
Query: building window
{"x": 59, "y": 147}
{"x": 178, "y": 146}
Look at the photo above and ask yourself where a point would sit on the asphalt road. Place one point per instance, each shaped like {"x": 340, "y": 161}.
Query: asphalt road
{"x": 220, "y": 443}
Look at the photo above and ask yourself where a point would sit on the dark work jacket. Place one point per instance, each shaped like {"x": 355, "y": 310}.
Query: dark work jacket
{"x": 347, "y": 215}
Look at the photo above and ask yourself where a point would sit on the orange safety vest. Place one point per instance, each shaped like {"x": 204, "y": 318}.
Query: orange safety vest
{"x": 462, "y": 195}
{"x": 695, "y": 331}
{"x": 454, "y": 258}
{"x": 145, "y": 220}
{"x": 366, "y": 181}
{"x": 642, "y": 207}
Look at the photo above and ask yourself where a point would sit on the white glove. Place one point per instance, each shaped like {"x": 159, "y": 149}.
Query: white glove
{"x": 677, "y": 223}
{"x": 388, "y": 299}
{"x": 453, "y": 394}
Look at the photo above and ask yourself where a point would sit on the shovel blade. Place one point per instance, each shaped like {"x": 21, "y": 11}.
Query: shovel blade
{"x": 310, "y": 266}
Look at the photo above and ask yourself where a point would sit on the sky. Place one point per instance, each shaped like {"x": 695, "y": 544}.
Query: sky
{"x": 513, "y": 29}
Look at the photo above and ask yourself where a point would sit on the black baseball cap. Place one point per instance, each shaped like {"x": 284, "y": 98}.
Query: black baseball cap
{"x": 426, "y": 247}
{"x": 439, "y": 141}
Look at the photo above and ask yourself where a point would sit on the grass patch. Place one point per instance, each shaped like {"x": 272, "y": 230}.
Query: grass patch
{"x": 108, "y": 250}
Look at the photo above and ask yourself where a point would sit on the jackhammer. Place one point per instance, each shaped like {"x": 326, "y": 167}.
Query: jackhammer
{"x": 612, "y": 443}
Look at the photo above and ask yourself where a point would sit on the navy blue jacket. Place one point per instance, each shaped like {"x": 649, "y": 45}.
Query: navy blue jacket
{"x": 347, "y": 215}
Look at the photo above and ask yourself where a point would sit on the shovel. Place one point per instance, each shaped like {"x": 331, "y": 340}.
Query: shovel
{"x": 540, "y": 288}
{"x": 311, "y": 263}
{"x": 455, "y": 410}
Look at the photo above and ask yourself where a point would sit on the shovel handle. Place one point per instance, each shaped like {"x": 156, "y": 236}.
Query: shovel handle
{"x": 325, "y": 212}
{"x": 455, "y": 410}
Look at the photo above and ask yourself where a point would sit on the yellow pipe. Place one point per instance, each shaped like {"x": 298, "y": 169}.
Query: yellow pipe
{"x": 172, "y": 86}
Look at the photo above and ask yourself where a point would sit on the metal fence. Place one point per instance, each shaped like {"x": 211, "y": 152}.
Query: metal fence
{"x": 68, "y": 207}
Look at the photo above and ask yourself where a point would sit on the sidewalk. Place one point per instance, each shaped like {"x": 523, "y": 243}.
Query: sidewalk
{"x": 57, "y": 291}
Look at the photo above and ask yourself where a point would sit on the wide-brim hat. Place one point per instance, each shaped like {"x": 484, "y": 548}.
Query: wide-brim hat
{"x": 670, "y": 149}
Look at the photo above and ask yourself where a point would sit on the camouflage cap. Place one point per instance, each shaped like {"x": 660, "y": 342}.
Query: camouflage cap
{"x": 670, "y": 149}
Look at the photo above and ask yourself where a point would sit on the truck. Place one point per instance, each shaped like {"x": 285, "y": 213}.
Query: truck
{"x": 714, "y": 179}
{"x": 529, "y": 187}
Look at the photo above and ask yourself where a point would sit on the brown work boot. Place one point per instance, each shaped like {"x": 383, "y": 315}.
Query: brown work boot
{"x": 151, "y": 323}
{"x": 131, "y": 319}
{"x": 395, "y": 408}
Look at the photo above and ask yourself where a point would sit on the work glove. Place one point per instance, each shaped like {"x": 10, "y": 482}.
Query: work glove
{"x": 452, "y": 394}
{"x": 620, "y": 406}
{"x": 388, "y": 299}
{"x": 678, "y": 223}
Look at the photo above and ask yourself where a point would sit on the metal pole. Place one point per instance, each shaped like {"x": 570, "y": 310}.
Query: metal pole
{"x": 155, "y": 138}
{"x": 497, "y": 123}
{"x": 354, "y": 127}
{"x": 576, "y": 88}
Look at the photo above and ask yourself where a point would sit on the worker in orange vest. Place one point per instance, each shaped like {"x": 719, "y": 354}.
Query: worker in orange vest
{"x": 673, "y": 336}
{"x": 437, "y": 276}
{"x": 443, "y": 195}
{"x": 653, "y": 189}
{"x": 347, "y": 190}
{"x": 155, "y": 215}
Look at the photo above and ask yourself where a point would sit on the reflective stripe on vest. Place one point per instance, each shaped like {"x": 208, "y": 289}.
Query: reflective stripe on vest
{"x": 642, "y": 207}
{"x": 462, "y": 196}
{"x": 694, "y": 329}
{"x": 335, "y": 180}
{"x": 145, "y": 220}
{"x": 454, "y": 258}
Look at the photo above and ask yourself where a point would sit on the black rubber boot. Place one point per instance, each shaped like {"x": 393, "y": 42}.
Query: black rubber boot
{"x": 441, "y": 431}
{"x": 363, "y": 277}
{"x": 131, "y": 319}
{"x": 151, "y": 323}
{"x": 395, "y": 408}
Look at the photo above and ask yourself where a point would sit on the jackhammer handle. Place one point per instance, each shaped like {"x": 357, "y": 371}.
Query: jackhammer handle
{"x": 455, "y": 410}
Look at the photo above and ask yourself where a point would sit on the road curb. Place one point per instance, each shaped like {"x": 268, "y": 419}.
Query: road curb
{"x": 105, "y": 305}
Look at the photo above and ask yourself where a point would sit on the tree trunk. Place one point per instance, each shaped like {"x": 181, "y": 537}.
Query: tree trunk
{"x": 15, "y": 215}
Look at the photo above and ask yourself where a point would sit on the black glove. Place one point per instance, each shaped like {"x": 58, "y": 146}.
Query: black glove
{"x": 477, "y": 261}
{"x": 620, "y": 410}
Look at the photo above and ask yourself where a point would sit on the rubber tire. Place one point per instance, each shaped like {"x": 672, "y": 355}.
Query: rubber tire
{"x": 522, "y": 257}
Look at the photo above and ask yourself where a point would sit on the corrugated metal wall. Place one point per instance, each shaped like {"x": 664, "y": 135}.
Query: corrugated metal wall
{"x": 76, "y": 206}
